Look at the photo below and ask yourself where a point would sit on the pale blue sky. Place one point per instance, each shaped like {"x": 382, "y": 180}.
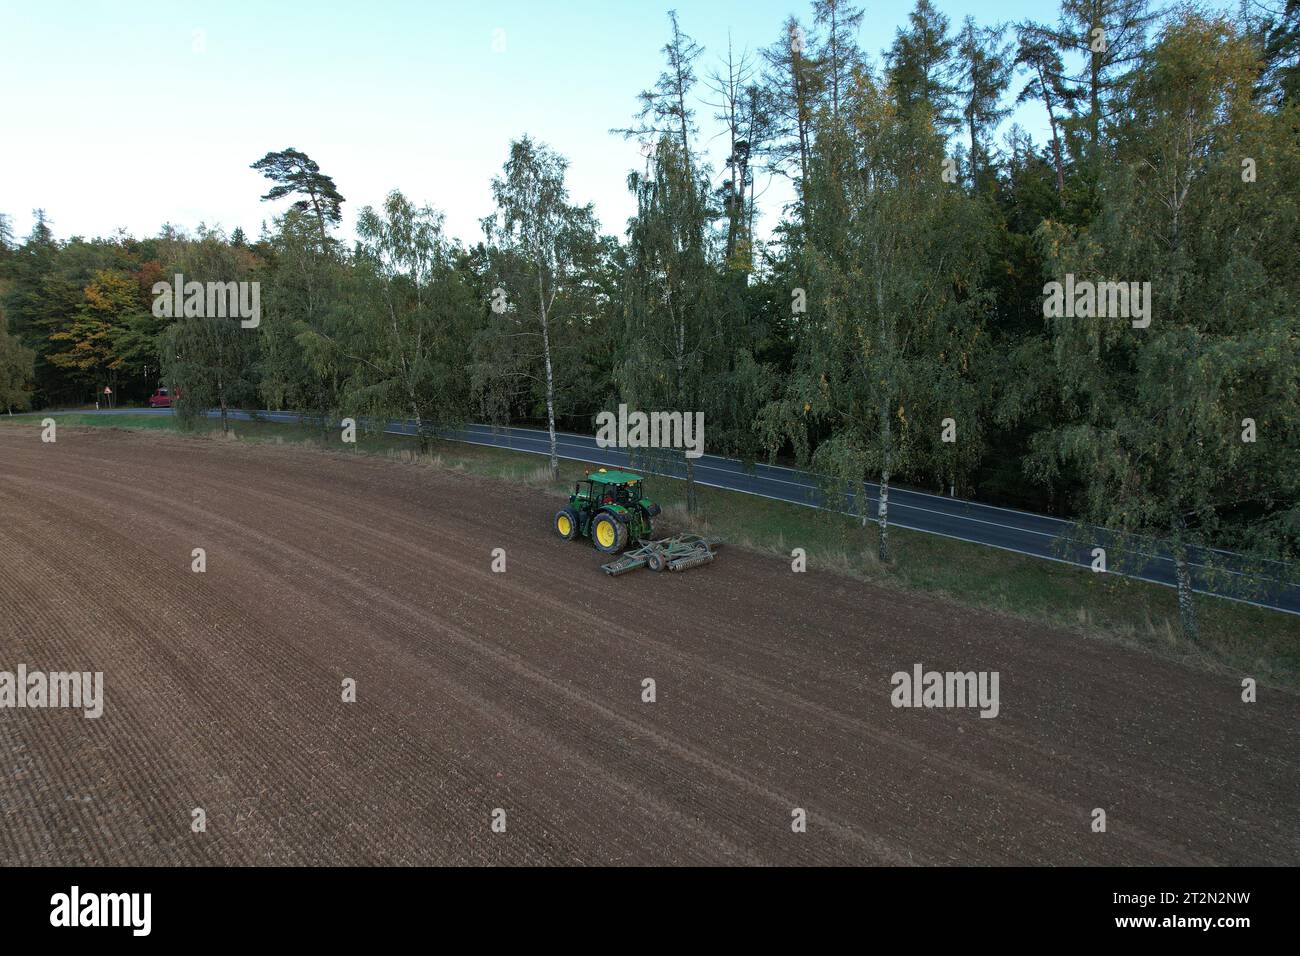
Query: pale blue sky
{"x": 134, "y": 114}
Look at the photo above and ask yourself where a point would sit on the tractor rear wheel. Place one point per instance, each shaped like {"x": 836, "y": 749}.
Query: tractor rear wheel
{"x": 566, "y": 523}
{"x": 608, "y": 533}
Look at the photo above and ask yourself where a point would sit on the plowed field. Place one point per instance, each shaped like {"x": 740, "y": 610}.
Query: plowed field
{"x": 522, "y": 691}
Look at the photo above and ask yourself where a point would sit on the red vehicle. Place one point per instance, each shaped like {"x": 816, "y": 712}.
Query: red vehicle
{"x": 163, "y": 398}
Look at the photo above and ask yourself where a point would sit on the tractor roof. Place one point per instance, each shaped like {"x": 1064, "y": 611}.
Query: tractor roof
{"x": 613, "y": 477}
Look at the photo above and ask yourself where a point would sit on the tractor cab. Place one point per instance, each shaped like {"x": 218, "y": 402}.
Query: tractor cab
{"x": 610, "y": 508}
{"x": 616, "y": 493}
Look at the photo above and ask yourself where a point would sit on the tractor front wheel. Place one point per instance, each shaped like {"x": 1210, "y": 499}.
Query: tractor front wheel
{"x": 566, "y": 523}
{"x": 608, "y": 534}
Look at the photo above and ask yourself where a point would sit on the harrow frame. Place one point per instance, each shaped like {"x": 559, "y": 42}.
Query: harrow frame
{"x": 677, "y": 553}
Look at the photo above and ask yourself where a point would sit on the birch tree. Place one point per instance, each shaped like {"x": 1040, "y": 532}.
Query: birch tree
{"x": 411, "y": 318}
{"x": 536, "y": 240}
{"x": 303, "y": 310}
{"x": 894, "y": 260}
{"x": 209, "y": 359}
{"x": 1184, "y": 430}
{"x": 671, "y": 317}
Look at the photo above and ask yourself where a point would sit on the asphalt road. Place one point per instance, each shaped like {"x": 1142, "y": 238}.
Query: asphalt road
{"x": 1217, "y": 573}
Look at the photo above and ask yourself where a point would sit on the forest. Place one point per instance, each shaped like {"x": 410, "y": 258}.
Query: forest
{"x": 896, "y": 326}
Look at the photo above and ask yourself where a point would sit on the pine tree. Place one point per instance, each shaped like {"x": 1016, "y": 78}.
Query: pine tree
{"x": 985, "y": 70}
{"x": 921, "y": 70}
{"x": 297, "y": 174}
{"x": 794, "y": 84}
{"x": 838, "y": 51}
{"x": 1040, "y": 57}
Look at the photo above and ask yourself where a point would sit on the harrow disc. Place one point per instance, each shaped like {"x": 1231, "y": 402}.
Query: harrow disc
{"x": 681, "y": 564}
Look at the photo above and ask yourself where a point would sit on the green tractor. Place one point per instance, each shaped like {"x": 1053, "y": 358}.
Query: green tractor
{"x": 608, "y": 508}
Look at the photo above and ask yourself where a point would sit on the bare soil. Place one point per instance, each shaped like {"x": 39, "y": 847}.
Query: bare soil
{"x": 523, "y": 691}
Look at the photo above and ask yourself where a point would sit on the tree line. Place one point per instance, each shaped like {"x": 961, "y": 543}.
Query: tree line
{"x": 891, "y": 329}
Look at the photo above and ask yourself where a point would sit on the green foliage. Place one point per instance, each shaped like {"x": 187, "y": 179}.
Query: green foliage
{"x": 893, "y": 332}
{"x": 411, "y": 315}
{"x": 542, "y": 258}
{"x": 1171, "y": 158}
{"x": 921, "y": 71}
{"x": 297, "y": 174}
{"x": 303, "y": 305}
{"x": 1160, "y": 418}
{"x": 210, "y": 361}
{"x": 17, "y": 365}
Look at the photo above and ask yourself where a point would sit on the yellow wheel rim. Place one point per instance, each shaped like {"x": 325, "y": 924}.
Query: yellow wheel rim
{"x": 563, "y": 525}
{"x": 605, "y": 533}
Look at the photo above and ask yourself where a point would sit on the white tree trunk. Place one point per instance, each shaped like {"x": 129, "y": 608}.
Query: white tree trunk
{"x": 1186, "y": 607}
{"x": 886, "y": 439}
{"x": 883, "y": 514}
{"x": 550, "y": 397}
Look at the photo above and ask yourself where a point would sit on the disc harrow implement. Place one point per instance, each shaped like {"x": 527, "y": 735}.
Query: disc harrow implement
{"x": 677, "y": 553}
